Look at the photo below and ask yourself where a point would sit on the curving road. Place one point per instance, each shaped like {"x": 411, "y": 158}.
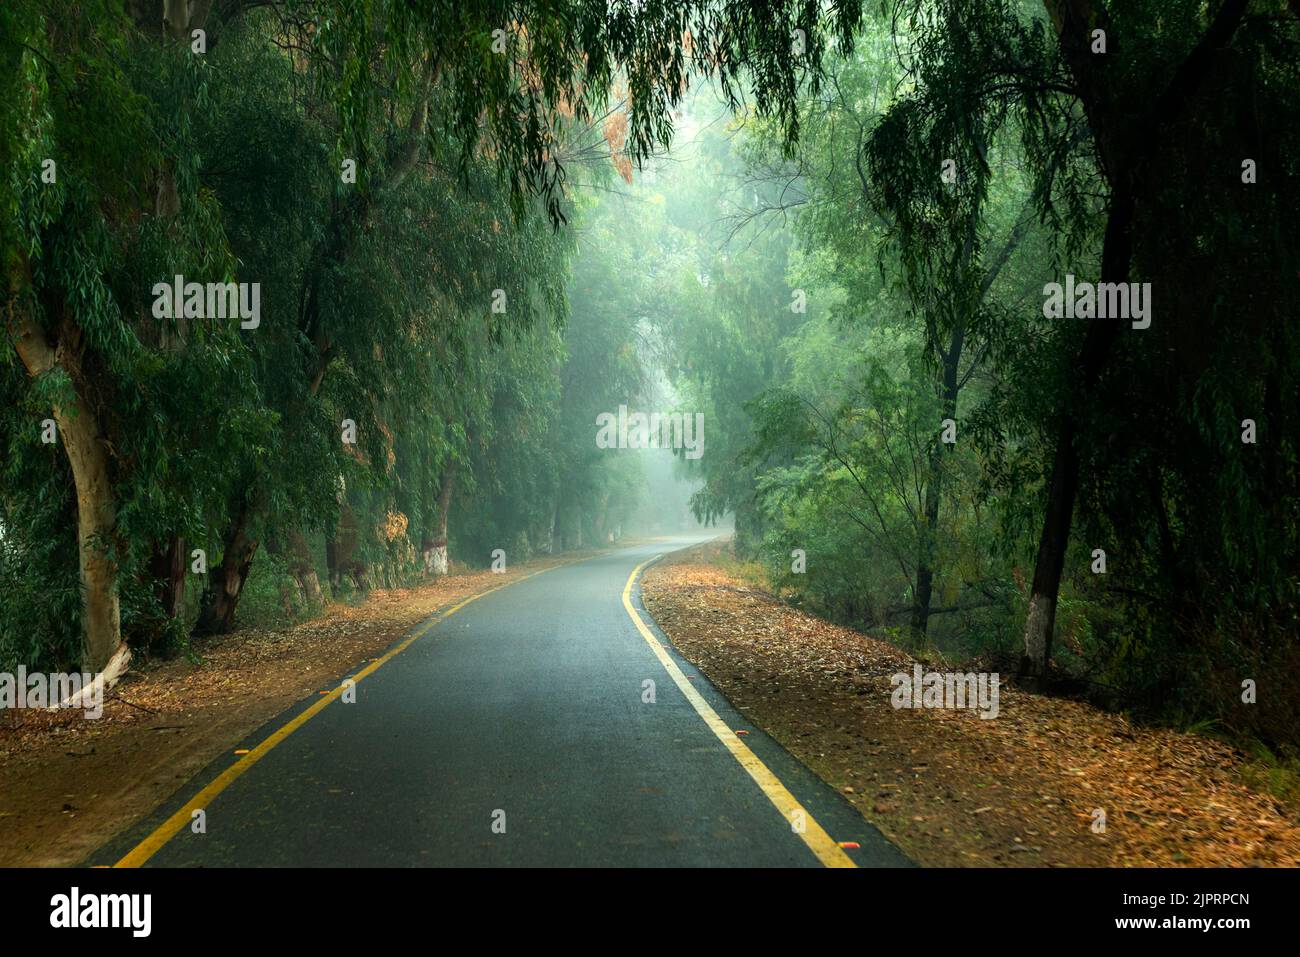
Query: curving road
{"x": 513, "y": 732}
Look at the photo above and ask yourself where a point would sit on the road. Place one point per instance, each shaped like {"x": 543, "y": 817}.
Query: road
{"x": 515, "y": 732}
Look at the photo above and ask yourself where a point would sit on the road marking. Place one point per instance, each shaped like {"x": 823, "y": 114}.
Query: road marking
{"x": 819, "y": 842}
{"x": 152, "y": 844}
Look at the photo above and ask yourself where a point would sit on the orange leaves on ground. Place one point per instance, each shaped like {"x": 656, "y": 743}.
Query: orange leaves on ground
{"x": 950, "y": 788}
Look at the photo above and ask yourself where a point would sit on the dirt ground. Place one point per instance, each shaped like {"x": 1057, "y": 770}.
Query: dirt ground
{"x": 951, "y": 788}
{"x": 67, "y": 784}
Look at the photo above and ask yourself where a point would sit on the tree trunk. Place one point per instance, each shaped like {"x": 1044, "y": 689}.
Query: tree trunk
{"x": 934, "y": 486}
{"x": 1063, "y": 485}
{"x": 79, "y": 434}
{"x": 925, "y": 565}
{"x": 226, "y": 582}
{"x": 436, "y": 559}
{"x": 551, "y": 540}
{"x": 167, "y": 573}
{"x": 1051, "y": 557}
{"x": 288, "y": 590}
{"x": 341, "y": 549}
{"x": 96, "y": 522}
{"x": 169, "y": 570}
{"x": 333, "y": 567}
{"x": 304, "y": 570}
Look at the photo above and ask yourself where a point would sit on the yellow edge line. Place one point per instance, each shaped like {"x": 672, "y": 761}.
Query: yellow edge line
{"x": 819, "y": 842}
{"x": 152, "y": 844}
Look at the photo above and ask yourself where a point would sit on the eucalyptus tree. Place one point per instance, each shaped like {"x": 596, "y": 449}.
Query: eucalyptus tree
{"x": 1175, "y": 152}
{"x": 1142, "y": 127}
{"x": 98, "y": 173}
{"x": 903, "y": 231}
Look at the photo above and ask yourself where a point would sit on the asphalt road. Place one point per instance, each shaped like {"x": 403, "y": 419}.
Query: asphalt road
{"x": 514, "y": 733}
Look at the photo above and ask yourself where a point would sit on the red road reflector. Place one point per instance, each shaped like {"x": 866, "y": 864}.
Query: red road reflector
{"x": 742, "y": 732}
{"x": 850, "y": 845}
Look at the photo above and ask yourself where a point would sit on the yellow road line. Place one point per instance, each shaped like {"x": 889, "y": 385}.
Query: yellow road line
{"x": 152, "y": 844}
{"x": 819, "y": 842}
